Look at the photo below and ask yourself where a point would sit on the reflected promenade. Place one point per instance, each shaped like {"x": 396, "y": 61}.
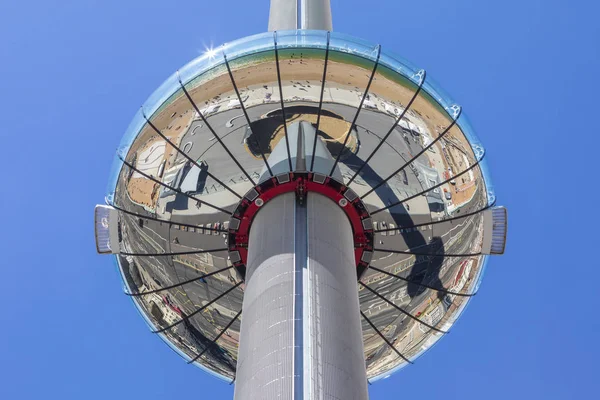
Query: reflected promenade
{"x": 204, "y": 140}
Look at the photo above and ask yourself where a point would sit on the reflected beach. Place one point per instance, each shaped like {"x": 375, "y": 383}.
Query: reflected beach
{"x": 203, "y": 142}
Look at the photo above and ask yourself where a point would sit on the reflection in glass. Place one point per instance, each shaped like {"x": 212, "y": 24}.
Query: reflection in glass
{"x": 349, "y": 72}
{"x": 424, "y": 185}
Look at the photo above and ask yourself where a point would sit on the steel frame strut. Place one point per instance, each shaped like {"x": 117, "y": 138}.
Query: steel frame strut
{"x": 422, "y": 284}
{"x": 417, "y": 156}
{"x": 181, "y": 253}
{"x": 391, "y": 303}
{"x": 237, "y": 92}
{"x": 314, "y": 147}
{"x": 362, "y": 100}
{"x": 428, "y": 189}
{"x": 439, "y": 222}
{"x": 287, "y": 143}
{"x": 214, "y": 341}
{"x": 213, "y": 131}
{"x": 188, "y": 157}
{"x": 385, "y": 339}
{"x": 164, "y": 220}
{"x": 178, "y": 284}
{"x": 188, "y": 316}
{"x": 173, "y": 188}
{"x": 424, "y": 76}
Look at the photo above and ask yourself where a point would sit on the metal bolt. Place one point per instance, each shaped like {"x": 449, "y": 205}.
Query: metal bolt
{"x": 343, "y": 202}
{"x": 259, "y": 202}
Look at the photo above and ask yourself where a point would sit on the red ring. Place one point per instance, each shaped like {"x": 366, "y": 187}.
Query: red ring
{"x": 301, "y": 183}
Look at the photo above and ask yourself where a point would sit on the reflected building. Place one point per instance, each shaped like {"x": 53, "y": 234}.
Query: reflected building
{"x": 300, "y": 212}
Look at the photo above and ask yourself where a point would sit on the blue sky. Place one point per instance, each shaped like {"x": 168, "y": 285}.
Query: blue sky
{"x": 73, "y": 73}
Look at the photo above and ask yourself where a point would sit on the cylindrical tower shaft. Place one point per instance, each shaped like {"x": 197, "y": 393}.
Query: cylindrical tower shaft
{"x": 300, "y": 14}
{"x": 301, "y": 336}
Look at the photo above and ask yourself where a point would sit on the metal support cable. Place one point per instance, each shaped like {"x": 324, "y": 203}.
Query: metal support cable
{"x": 391, "y": 303}
{"x": 314, "y": 147}
{"x": 426, "y": 254}
{"x": 179, "y": 283}
{"x": 422, "y": 284}
{"x": 210, "y": 128}
{"x": 456, "y": 116}
{"x": 188, "y": 157}
{"x": 237, "y": 92}
{"x": 287, "y": 143}
{"x": 181, "y": 253}
{"x": 214, "y": 341}
{"x": 423, "y": 77}
{"x": 173, "y": 188}
{"x": 199, "y": 309}
{"x": 164, "y": 220}
{"x": 362, "y": 100}
{"x": 385, "y": 339}
{"x": 438, "y": 222}
{"x": 428, "y": 189}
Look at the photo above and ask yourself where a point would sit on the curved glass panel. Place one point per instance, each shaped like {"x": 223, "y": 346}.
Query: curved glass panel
{"x": 404, "y": 146}
{"x": 401, "y": 65}
{"x": 146, "y": 317}
{"x": 302, "y": 38}
{"x": 161, "y": 95}
{"x": 199, "y": 66}
{"x": 491, "y": 193}
{"x": 349, "y": 72}
{"x": 479, "y": 278}
{"x": 353, "y": 45}
{"x": 302, "y": 71}
{"x": 115, "y": 169}
{"x": 438, "y": 94}
{"x": 131, "y": 133}
{"x": 466, "y": 127}
{"x": 250, "y": 45}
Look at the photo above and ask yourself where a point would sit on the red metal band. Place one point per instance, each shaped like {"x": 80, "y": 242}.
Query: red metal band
{"x": 301, "y": 183}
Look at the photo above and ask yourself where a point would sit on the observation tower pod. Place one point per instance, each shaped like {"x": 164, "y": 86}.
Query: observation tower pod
{"x": 300, "y": 212}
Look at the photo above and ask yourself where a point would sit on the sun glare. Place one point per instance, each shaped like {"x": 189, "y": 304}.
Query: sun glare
{"x": 210, "y": 52}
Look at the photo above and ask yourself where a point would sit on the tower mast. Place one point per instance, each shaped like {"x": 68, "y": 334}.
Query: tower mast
{"x": 301, "y": 335}
{"x": 269, "y": 298}
{"x": 300, "y": 14}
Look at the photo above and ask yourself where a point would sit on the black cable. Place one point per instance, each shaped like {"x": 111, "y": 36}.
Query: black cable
{"x": 287, "y": 143}
{"x": 365, "y": 94}
{"x": 181, "y": 253}
{"x": 417, "y": 156}
{"x": 237, "y": 92}
{"x": 385, "y": 339}
{"x": 198, "y": 310}
{"x": 188, "y": 157}
{"x": 422, "y": 284}
{"x": 214, "y": 341}
{"x": 164, "y": 220}
{"x": 210, "y": 128}
{"x": 178, "y": 284}
{"x": 390, "y": 131}
{"x": 438, "y": 222}
{"x": 173, "y": 189}
{"x": 428, "y": 189}
{"x": 401, "y": 310}
{"x": 314, "y": 148}
{"x": 426, "y": 254}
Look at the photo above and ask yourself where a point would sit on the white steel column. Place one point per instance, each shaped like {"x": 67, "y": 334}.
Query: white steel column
{"x": 301, "y": 336}
{"x": 300, "y": 14}
{"x": 265, "y": 365}
{"x": 336, "y": 360}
